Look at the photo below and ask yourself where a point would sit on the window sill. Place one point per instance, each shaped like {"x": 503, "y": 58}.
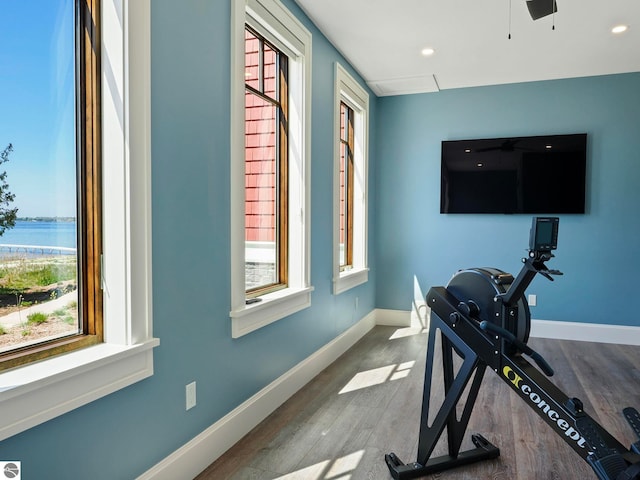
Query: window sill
{"x": 350, "y": 279}
{"x": 36, "y": 393}
{"x": 273, "y": 306}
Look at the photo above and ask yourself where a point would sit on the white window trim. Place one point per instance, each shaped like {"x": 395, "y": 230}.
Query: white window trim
{"x": 38, "y": 392}
{"x": 272, "y": 20}
{"x": 349, "y": 91}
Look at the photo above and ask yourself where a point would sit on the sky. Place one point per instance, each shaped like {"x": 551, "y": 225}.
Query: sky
{"x": 37, "y": 109}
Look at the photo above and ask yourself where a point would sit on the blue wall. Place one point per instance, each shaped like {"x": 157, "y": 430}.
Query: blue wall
{"x": 126, "y": 433}
{"x": 598, "y": 252}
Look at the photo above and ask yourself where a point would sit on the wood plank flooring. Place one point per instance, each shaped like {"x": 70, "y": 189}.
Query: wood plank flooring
{"x": 368, "y": 402}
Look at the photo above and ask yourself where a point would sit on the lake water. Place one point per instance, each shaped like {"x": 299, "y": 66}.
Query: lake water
{"x": 50, "y": 234}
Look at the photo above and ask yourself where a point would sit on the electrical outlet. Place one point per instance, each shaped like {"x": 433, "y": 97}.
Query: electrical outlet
{"x": 190, "y": 391}
{"x": 532, "y": 300}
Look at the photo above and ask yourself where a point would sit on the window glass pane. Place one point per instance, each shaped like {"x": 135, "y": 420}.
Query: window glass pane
{"x": 346, "y": 186}
{"x": 343, "y": 121}
{"x": 270, "y": 84}
{"x": 265, "y": 165}
{"x": 261, "y": 212}
{"x": 343, "y": 203}
{"x": 38, "y": 252}
{"x": 251, "y": 60}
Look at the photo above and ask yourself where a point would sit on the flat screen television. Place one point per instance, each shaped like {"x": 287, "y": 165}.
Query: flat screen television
{"x": 532, "y": 175}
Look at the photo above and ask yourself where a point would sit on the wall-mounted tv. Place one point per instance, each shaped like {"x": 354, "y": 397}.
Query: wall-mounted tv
{"x": 532, "y": 175}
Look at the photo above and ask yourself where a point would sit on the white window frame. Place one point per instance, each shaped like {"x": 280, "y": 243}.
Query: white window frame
{"x": 278, "y": 25}
{"x": 350, "y": 92}
{"x": 38, "y": 392}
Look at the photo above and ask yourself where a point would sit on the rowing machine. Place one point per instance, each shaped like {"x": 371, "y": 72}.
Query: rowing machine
{"x": 483, "y": 317}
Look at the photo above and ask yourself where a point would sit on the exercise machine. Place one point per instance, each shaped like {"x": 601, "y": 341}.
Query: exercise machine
{"x": 483, "y": 317}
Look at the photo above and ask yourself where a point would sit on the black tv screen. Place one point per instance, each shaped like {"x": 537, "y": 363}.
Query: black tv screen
{"x": 532, "y": 175}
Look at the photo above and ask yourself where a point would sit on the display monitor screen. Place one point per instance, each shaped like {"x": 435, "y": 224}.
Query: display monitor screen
{"x": 533, "y": 175}
{"x": 544, "y": 234}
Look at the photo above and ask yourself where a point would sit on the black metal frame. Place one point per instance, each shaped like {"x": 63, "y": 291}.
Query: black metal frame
{"x": 481, "y": 348}
{"x": 454, "y": 387}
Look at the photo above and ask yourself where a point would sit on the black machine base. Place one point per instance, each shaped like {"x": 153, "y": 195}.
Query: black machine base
{"x": 484, "y": 450}
{"x": 633, "y": 417}
{"x": 482, "y": 319}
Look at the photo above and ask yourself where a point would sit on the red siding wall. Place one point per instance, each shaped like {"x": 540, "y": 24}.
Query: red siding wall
{"x": 260, "y": 145}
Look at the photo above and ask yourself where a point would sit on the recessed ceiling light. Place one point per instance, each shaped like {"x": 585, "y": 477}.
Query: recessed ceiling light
{"x": 479, "y": 165}
{"x": 467, "y": 150}
{"x": 619, "y": 29}
{"x": 427, "y": 52}
{"x": 548, "y": 147}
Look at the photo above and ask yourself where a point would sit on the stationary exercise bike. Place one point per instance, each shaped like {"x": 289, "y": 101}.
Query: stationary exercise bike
{"x": 483, "y": 317}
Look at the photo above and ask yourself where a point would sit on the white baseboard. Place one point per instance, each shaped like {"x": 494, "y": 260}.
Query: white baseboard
{"x": 196, "y": 455}
{"x": 393, "y": 318}
{"x": 586, "y": 332}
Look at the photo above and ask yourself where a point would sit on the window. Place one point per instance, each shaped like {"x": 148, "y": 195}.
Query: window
{"x": 346, "y": 186}
{"x": 270, "y": 174}
{"x": 50, "y": 256}
{"x": 266, "y": 146}
{"x": 39, "y": 391}
{"x": 351, "y": 106}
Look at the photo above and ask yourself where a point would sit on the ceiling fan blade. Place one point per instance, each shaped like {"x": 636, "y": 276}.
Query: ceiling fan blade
{"x": 541, "y": 8}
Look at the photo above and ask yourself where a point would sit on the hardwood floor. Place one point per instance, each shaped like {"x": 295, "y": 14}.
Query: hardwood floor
{"x": 368, "y": 402}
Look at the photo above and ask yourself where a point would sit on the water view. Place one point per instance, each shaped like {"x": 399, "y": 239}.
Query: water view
{"x": 45, "y": 233}
{"x": 38, "y": 282}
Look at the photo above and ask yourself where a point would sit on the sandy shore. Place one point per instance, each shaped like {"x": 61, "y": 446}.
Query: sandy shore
{"x": 16, "y": 318}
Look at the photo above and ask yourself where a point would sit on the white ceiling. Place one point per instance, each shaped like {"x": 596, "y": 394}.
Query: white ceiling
{"x": 382, "y": 39}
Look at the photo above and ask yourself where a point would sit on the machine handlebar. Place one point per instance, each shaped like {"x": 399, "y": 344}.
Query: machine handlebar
{"x": 523, "y": 347}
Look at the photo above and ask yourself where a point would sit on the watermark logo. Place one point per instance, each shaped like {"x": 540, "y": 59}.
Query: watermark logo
{"x": 10, "y": 470}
